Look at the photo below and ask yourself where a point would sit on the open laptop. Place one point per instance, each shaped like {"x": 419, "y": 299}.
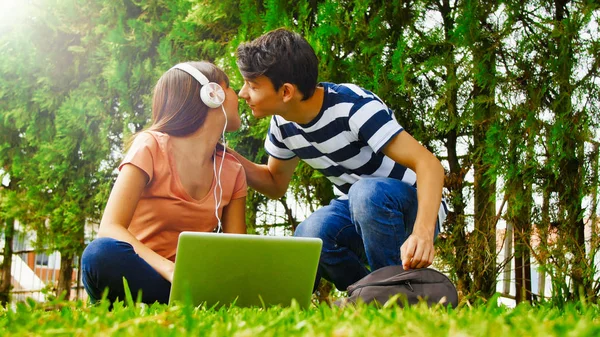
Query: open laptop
{"x": 248, "y": 270}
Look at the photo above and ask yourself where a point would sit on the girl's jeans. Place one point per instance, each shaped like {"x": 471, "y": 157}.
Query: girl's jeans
{"x": 368, "y": 228}
{"x": 105, "y": 262}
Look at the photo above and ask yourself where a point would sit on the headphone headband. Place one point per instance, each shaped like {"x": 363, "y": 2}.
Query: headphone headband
{"x": 195, "y": 73}
{"x": 211, "y": 93}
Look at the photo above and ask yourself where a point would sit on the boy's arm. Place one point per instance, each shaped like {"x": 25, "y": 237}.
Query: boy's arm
{"x": 418, "y": 251}
{"x": 272, "y": 179}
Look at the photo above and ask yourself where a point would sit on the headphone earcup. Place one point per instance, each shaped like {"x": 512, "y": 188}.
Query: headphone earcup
{"x": 212, "y": 95}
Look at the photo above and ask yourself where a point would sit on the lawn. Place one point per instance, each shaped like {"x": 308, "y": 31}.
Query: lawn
{"x": 61, "y": 318}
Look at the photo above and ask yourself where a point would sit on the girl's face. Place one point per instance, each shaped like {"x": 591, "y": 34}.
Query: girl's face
{"x": 231, "y": 108}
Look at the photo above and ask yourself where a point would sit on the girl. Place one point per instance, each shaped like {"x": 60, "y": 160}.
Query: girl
{"x": 172, "y": 179}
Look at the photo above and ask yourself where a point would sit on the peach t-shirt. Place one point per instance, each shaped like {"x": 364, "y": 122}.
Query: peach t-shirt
{"x": 165, "y": 209}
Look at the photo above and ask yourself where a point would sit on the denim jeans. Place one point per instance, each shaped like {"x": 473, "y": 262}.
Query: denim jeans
{"x": 104, "y": 264}
{"x": 368, "y": 228}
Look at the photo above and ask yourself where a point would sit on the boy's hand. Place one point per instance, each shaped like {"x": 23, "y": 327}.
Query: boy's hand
{"x": 417, "y": 252}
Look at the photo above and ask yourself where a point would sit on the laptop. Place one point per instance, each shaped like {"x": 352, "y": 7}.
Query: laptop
{"x": 242, "y": 269}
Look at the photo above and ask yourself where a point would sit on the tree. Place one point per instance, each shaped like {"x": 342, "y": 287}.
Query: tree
{"x": 481, "y": 36}
{"x": 569, "y": 132}
{"x": 25, "y": 122}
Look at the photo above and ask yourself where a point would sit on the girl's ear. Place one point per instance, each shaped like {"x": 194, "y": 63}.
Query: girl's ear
{"x": 288, "y": 91}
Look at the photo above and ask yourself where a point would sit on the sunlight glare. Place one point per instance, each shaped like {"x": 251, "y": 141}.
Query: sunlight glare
{"x": 12, "y": 12}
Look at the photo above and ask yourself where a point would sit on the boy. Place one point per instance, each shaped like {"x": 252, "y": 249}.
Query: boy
{"x": 349, "y": 135}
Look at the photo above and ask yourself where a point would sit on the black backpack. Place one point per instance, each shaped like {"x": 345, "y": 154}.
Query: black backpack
{"x": 413, "y": 286}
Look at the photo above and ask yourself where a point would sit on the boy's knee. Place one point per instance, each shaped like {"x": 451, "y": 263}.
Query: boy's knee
{"x": 314, "y": 227}
{"x": 376, "y": 193}
{"x": 306, "y": 229}
{"x": 366, "y": 189}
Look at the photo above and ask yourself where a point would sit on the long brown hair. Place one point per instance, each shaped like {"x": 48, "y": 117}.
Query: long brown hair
{"x": 177, "y": 109}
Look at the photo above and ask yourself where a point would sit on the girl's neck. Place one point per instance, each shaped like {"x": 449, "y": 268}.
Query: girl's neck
{"x": 199, "y": 145}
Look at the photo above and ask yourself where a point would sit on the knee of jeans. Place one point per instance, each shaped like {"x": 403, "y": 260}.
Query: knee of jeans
{"x": 372, "y": 193}
{"x": 365, "y": 192}
{"x": 309, "y": 229}
{"x": 304, "y": 230}
{"x": 97, "y": 251}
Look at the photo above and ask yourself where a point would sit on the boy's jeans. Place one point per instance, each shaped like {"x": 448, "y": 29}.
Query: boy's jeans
{"x": 367, "y": 228}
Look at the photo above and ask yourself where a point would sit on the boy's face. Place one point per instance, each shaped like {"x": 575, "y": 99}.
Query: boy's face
{"x": 261, "y": 96}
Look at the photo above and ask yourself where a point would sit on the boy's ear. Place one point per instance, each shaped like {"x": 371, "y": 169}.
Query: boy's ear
{"x": 288, "y": 91}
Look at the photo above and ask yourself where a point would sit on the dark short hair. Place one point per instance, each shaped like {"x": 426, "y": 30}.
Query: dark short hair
{"x": 284, "y": 57}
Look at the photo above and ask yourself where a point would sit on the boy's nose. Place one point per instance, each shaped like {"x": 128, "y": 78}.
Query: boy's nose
{"x": 243, "y": 93}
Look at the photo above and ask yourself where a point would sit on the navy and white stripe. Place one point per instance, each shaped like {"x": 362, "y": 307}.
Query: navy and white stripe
{"x": 344, "y": 141}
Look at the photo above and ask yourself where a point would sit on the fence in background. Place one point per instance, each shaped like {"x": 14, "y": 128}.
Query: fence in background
{"x": 35, "y": 275}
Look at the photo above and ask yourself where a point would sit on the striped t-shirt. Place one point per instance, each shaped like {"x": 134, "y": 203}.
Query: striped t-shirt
{"x": 344, "y": 141}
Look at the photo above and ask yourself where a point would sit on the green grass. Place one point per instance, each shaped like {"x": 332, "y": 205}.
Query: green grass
{"x": 60, "y": 318}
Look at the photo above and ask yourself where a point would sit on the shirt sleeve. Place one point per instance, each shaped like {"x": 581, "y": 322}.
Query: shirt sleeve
{"x": 274, "y": 142}
{"x": 141, "y": 154}
{"x": 374, "y": 122}
{"x": 240, "y": 188}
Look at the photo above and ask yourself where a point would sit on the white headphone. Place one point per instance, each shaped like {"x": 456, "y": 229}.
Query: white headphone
{"x": 211, "y": 93}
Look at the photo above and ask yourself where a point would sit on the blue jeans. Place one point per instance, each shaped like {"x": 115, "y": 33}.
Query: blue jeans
{"x": 367, "y": 228}
{"x": 104, "y": 264}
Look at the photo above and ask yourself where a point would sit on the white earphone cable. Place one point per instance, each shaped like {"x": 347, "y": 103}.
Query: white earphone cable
{"x": 218, "y": 175}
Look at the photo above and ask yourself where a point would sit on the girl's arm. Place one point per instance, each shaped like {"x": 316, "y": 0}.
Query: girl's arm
{"x": 234, "y": 216}
{"x": 119, "y": 211}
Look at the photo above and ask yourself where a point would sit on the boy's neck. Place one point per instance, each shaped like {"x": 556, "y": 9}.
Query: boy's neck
{"x": 303, "y": 112}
